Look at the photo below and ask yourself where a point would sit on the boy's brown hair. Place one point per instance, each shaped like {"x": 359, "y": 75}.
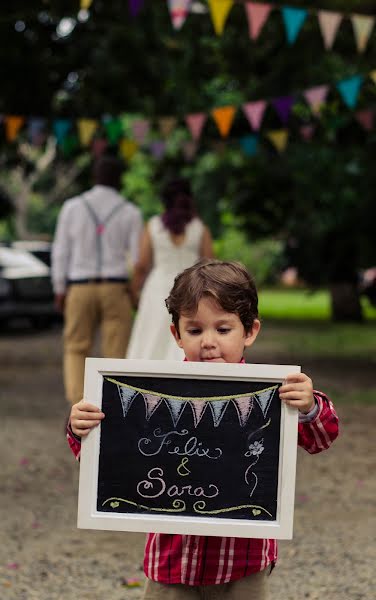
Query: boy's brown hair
{"x": 228, "y": 283}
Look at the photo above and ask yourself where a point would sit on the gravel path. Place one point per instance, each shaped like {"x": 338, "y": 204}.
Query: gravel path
{"x": 43, "y": 556}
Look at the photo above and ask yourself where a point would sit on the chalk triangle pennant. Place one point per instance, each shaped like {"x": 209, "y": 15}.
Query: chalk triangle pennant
{"x": 249, "y": 144}
{"x": 329, "y": 23}
{"x": 152, "y": 401}
{"x": 198, "y": 408}
{"x": 223, "y": 118}
{"x": 140, "y": 130}
{"x": 179, "y": 10}
{"x": 254, "y": 111}
{"x": 362, "y": 26}
{"x": 293, "y": 19}
{"x": 243, "y": 408}
{"x": 316, "y": 97}
{"x": 167, "y": 125}
{"x": 279, "y": 138}
{"x": 219, "y": 10}
{"x": 195, "y": 123}
{"x": 349, "y": 89}
{"x": 264, "y": 399}
{"x": 127, "y": 395}
{"x": 86, "y": 129}
{"x": 307, "y": 132}
{"x": 176, "y": 408}
{"x": 283, "y": 106}
{"x": 365, "y": 118}
{"x": 218, "y": 408}
{"x": 257, "y": 15}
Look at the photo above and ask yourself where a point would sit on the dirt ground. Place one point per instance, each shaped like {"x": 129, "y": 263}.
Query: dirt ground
{"x": 43, "y": 555}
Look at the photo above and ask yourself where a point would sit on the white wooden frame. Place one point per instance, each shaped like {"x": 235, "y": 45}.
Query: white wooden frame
{"x": 90, "y": 518}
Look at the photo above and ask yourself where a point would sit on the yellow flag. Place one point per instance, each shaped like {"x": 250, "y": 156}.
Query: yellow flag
{"x": 13, "y": 124}
{"x": 362, "y": 26}
{"x": 85, "y": 4}
{"x": 219, "y": 10}
{"x": 86, "y": 130}
{"x": 373, "y": 75}
{"x": 127, "y": 148}
{"x": 224, "y": 117}
{"x": 278, "y": 138}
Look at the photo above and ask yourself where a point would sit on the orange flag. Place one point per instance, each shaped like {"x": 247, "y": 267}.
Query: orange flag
{"x": 224, "y": 117}
{"x": 13, "y": 124}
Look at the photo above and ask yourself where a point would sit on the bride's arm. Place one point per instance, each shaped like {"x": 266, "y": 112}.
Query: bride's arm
{"x": 143, "y": 265}
{"x": 206, "y": 250}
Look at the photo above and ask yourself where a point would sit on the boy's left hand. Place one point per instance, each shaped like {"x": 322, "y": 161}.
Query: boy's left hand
{"x": 297, "y": 391}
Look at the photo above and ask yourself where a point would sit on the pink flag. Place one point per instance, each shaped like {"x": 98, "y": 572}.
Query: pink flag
{"x": 140, "y": 130}
{"x": 257, "y": 15}
{"x": 152, "y": 401}
{"x": 329, "y": 22}
{"x": 254, "y": 111}
{"x": 316, "y": 97}
{"x": 198, "y": 409}
{"x": 195, "y": 123}
{"x": 244, "y": 408}
{"x": 179, "y": 10}
{"x": 365, "y": 118}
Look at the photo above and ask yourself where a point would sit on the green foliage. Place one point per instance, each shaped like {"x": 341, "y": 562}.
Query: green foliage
{"x": 42, "y": 221}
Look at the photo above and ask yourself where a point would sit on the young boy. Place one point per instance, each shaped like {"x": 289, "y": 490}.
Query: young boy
{"x": 214, "y": 318}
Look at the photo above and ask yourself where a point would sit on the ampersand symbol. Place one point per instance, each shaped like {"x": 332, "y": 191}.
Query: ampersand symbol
{"x": 182, "y": 469}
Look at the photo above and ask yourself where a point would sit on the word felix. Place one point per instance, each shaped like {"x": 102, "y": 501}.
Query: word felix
{"x": 189, "y": 447}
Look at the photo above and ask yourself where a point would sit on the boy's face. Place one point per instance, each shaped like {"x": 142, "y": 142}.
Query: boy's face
{"x": 213, "y": 335}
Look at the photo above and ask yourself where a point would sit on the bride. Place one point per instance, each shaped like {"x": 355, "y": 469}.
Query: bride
{"x": 170, "y": 243}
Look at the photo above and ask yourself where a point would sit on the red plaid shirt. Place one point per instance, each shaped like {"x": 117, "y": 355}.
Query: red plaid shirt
{"x": 206, "y": 560}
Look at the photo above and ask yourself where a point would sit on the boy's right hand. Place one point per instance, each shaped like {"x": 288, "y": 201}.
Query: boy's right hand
{"x": 83, "y": 417}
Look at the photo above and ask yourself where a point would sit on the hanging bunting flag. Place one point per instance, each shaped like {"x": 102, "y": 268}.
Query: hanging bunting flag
{"x": 36, "y": 130}
{"x": 114, "y": 129}
{"x": 127, "y": 395}
{"x": 98, "y": 146}
{"x": 224, "y": 117}
{"x": 198, "y": 409}
{"x": 372, "y": 75}
{"x": 365, "y": 118}
{"x": 329, "y": 23}
{"x": 140, "y": 130}
{"x": 218, "y": 409}
{"x": 128, "y": 148}
{"x": 362, "y": 26}
{"x": 254, "y": 111}
{"x": 264, "y": 399}
{"x": 13, "y": 124}
{"x": 189, "y": 148}
{"x": 135, "y": 7}
{"x": 195, "y": 123}
{"x": 86, "y": 129}
{"x": 158, "y": 149}
{"x": 243, "y": 408}
{"x": 278, "y": 138}
{"x": 152, "y": 401}
{"x": 257, "y": 15}
{"x": 85, "y": 4}
{"x": 219, "y": 10}
{"x": 167, "y": 125}
{"x": 307, "y": 131}
{"x": 61, "y": 128}
{"x": 316, "y": 97}
{"x": 179, "y": 10}
{"x": 293, "y": 19}
{"x": 349, "y": 90}
{"x": 176, "y": 408}
{"x": 249, "y": 144}
{"x": 283, "y": 107}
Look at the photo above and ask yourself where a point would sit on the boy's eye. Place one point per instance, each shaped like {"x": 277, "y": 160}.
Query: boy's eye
{"x": 224, "y": 330}
{"x": 194, "y": 331}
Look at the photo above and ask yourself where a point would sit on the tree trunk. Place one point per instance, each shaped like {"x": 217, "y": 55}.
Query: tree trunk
{"x": 345, "y": 302}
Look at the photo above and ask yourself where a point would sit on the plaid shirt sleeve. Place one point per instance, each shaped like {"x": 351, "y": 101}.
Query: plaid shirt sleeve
{"x": 74, "y": 442}
{"x": 318, "y": 434}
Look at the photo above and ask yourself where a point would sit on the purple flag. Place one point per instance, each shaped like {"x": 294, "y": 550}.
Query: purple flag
{"x": 283, "y": 106}
{"x": 135, "y": 6}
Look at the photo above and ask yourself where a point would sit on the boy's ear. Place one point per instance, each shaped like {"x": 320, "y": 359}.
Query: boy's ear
{"x": 176, "y": 335}
{"x": 251, "y": 335}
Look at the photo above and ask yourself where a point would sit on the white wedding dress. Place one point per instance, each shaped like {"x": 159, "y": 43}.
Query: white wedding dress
{"x": 151, "y": 337}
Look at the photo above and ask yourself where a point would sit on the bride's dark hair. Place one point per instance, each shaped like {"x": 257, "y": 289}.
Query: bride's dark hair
{"x": 179, "y": 208}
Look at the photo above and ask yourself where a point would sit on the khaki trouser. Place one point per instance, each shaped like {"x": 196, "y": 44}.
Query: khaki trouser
{"x": 253, "y": 587}
{"x": 88, "y": 306}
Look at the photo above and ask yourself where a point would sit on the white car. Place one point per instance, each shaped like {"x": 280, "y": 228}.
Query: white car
{"x": 25, "y": 284}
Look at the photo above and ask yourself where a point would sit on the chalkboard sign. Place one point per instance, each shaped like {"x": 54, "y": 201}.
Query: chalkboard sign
{"x": 188, "y": 448}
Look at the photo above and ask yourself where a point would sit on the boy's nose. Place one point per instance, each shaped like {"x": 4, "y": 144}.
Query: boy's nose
{"x": 208, "y": 340}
